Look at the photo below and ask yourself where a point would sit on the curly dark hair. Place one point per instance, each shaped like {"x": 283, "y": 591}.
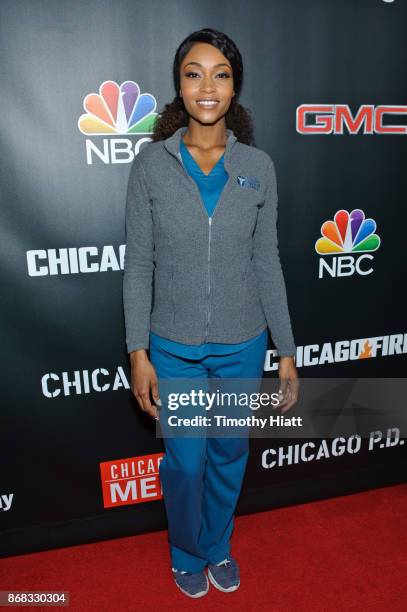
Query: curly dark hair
{"x": 174, "y": 115}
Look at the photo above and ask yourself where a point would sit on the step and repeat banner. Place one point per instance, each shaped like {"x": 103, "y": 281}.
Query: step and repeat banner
{"x": 82, "y": 84}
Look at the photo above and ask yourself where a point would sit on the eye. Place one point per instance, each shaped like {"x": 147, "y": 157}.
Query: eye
{"x": 192, "y": 74}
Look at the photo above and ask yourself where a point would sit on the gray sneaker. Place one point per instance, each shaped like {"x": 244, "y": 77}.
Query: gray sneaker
{"x": 193, "y": 585}
{"x": 225, "y": 575}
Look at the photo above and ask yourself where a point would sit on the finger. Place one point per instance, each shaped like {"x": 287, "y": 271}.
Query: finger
{"x": 286, "y": 402}
{"x": 295, "y": 394}
{"x": 139, "y": 400}
{"x": 155, "y": 392}
{"x": 283, "y": 392}
{"x": 288, "y": 407}
{"x": 149, "y": 407}
{"x": 294, "y": 390}
{"x": 144, "y": 399}
{"x": 291, "y": 400}
{"x": 283, "y": 386}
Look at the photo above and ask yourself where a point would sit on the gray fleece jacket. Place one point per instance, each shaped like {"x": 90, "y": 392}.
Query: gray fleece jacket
{"x": 194, "y": 278}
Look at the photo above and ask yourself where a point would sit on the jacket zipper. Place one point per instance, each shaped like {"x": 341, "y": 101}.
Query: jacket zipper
{"x": 226, "y": 187}
{"x": 209, "y": 280}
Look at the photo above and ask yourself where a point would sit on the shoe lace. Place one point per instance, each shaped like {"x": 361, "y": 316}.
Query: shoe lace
{"x": 225, "y": 562}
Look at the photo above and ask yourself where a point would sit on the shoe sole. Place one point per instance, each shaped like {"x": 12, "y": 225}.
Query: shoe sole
{"x": 221, "y": 588}
{"x": 196, "y": 595}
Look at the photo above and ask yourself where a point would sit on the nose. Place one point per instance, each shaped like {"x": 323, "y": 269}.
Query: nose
{"x": 207, "y": 84}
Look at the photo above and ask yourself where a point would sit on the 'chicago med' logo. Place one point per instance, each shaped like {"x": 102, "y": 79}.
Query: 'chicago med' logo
{"x": 117, "y": 110}
{"x": 248, "y": 181}
{"x": 347, "y": 233}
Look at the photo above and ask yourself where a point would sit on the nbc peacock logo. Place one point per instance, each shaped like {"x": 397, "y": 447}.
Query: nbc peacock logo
{"x": 351, "y": 238}
{"x": 118, "y": 111}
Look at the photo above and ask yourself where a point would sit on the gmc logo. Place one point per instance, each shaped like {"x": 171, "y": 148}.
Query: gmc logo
{"x": 332, "y": 118}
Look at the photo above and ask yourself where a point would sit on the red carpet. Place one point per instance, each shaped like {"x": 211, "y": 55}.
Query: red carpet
{"x": 346, "y": 553}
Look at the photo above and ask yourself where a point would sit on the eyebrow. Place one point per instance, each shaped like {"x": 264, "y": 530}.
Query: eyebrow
{"x": 198, "y": 64}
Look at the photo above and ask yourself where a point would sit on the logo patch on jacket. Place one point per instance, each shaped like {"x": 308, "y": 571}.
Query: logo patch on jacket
{"x": 248, "y": 181}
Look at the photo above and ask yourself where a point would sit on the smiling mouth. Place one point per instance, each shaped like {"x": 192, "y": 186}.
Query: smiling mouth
{"x": 207, "y": 103}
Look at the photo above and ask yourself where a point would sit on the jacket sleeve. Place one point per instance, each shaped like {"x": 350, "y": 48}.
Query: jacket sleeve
{"x": 268, "y": 270}
{"x": 138, "y": 260}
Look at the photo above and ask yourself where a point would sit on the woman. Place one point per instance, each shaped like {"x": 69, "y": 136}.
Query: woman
{"x": 202, "y": 283}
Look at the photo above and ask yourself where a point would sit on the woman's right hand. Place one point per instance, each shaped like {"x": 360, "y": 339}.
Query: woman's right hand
{"x": 144, "y": 378}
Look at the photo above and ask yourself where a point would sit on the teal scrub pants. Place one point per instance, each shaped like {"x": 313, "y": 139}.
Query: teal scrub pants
{"x": 202, "y": 477}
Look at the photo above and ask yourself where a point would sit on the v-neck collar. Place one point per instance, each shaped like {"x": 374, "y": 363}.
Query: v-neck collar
{"x": 172, "y": 144}
{"x": 218, "y": 167}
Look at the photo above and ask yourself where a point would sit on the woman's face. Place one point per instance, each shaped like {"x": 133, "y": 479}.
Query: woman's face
{"x": 206, "y": 74}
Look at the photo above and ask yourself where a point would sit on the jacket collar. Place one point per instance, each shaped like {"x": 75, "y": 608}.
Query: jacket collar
{"x": 172, "y": 144}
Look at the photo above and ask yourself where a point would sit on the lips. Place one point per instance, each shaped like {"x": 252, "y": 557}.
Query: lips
{"x": 207, "y": 103}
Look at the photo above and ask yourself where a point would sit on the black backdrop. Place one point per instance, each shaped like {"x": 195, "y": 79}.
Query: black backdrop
{"x": 69, "y": 425}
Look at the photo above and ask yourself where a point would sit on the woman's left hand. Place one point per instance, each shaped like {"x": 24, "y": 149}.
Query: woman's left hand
{"x": 289, "y": 383}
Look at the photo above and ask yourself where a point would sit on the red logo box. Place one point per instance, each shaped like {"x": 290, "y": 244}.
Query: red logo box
{"x": 131, "y": 481}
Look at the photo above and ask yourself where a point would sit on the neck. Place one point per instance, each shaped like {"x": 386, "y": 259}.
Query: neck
{"x": 205, "y": 136}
